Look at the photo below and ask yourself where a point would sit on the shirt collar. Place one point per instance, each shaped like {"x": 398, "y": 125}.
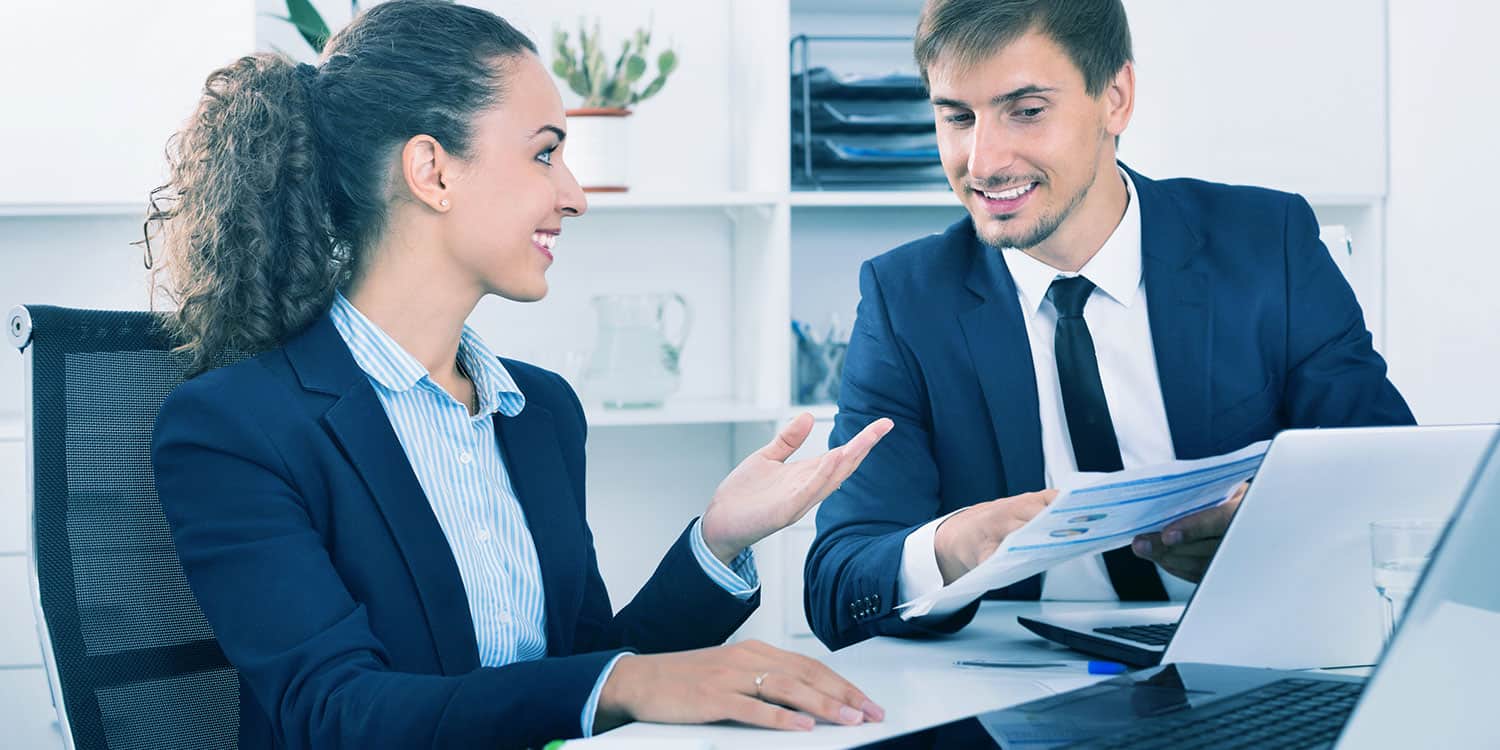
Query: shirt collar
{"x": 395, "y": 369}
{"x": 1115, "y": 269}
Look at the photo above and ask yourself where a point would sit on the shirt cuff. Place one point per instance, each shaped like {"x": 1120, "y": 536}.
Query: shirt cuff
{"x": 738, "y": 578}
{"x": 920, "y": 575}
{"x": 592, "y": 705}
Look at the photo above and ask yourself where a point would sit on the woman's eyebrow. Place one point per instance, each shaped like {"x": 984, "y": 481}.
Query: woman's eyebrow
{"x": 555, "y": 130}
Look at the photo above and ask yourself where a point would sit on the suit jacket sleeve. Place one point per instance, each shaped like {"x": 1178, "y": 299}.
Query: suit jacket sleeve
{"x": 302, "y": 644}
{"x": 1335, "y": 378}
{"x": 853, "y": 569}
{"x": 679, "y": 608}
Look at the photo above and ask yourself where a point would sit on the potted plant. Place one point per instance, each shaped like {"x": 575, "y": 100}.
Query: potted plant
{"x": 597, "y": 134}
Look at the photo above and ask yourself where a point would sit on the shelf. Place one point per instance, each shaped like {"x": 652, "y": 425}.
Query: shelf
{"x": 910, "y": 8}
{"x": 647, "y": 200}
{"x": 137, "y": 210}
{"x": 820, "y": 412}
{"x": 683, "y": 411}
{"x": 875, "y": 198}
{"x": 1346, "y": 200}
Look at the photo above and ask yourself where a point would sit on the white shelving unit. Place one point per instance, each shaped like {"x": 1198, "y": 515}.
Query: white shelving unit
{"x": 711, "y": 213}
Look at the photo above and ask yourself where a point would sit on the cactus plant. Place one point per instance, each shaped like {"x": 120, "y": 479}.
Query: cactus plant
{"x": 589, "y": 74}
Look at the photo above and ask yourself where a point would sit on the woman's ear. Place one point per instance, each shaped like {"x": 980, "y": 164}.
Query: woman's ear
{"x": 423, "y": 163}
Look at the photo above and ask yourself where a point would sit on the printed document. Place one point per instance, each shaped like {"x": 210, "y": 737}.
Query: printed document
{"x": 1097, "y": 512}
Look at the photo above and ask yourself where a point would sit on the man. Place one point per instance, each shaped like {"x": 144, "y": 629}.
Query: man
{"x": 1082, "y": 318}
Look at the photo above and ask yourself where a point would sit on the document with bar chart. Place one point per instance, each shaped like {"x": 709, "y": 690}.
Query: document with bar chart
{"x": 1098, "y": 512}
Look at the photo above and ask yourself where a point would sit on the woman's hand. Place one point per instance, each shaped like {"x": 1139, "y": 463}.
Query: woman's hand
{"x": 751, "y": 682}
{"x": 764, "y": 494}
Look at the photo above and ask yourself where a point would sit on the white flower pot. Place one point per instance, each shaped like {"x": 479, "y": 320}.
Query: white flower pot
{"x": 598, "y": 149}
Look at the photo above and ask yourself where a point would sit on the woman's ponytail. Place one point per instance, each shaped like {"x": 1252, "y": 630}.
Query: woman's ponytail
{"x": 282, "y": 178}
{"x": 244, "y": 216}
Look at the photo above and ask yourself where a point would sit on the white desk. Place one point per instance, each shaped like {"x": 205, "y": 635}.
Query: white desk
{"x": 914, "y": 681}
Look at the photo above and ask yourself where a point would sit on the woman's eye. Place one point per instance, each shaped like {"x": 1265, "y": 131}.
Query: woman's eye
{"x": 546, "y": 156}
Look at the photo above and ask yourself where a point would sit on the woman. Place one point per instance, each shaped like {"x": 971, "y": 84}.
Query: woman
{"x": 383, "y": 522}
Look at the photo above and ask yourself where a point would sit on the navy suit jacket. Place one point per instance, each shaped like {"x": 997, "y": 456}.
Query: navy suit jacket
{"x": 317, "y": 560}
{"x": 1254, "y": 327}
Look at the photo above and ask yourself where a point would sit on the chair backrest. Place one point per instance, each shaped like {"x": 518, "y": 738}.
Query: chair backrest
{"x": 131, "y": 659}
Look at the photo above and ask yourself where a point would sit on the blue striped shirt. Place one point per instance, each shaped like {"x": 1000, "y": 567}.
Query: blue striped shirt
{"x": 457, "y": 461}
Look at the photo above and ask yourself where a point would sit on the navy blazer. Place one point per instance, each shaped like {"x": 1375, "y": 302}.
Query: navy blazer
{"x": 317, "y": 560}
{"x": 1254, "y": 327}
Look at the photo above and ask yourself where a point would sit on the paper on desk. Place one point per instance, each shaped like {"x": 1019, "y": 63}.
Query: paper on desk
{"x": 1103, "y": 512}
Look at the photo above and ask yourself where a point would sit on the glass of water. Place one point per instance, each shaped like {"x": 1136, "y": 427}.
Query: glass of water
{"x": 1399, "y": 550}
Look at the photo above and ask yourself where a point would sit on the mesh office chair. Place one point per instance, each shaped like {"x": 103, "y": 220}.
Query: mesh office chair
{"x": 131, "y": 660}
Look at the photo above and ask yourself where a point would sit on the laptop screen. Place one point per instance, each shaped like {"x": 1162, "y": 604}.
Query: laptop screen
{"x": 1435, "y": 685}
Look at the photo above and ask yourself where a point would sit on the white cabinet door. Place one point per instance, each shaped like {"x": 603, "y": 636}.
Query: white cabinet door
{"x": 1287, "y": 94}
{"x": 26, "y": 710}
{"x": 14, "y": 522}
{"x": 93, "y": 89}
{"x": 18, "y": 640}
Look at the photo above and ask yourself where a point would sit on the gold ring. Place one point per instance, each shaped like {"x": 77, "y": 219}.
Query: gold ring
{"x": 760, "y": 680}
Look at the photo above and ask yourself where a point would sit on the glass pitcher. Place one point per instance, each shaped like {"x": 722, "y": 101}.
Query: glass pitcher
{"x": 635, "y": 361}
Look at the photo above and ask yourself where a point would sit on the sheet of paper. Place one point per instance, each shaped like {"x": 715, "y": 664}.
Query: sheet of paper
{"x": 1098, "y": 512}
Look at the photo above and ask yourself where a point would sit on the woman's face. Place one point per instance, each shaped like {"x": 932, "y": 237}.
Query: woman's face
{"x": 507, "y": 200}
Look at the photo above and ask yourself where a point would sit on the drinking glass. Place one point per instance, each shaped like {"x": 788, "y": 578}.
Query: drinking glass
{"x": 1399, "y": 550}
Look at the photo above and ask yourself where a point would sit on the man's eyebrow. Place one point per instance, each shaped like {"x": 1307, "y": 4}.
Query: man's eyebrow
{"x": 999, "y": 99}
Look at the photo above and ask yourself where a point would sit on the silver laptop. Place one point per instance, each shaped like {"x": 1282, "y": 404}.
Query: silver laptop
{"x": 1434, "y": 686}
{"x": 1290, "y": 586}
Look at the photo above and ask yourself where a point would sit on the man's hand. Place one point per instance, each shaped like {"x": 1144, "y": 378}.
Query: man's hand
{"x": 1186, "y": 546}
{"x": 966, "y": 538}
{"x": 748, "y": 682}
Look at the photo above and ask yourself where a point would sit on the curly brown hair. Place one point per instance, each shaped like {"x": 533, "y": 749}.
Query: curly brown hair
{"x": 279, "y": 181}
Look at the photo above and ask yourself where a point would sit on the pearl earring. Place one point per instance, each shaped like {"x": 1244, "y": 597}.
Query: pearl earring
{"x": 443, "y": 203}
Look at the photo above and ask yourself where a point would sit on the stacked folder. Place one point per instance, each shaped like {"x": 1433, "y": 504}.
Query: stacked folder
{"x": 863, "y": 132}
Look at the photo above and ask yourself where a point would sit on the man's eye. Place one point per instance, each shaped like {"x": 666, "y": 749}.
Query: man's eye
{"x": 959, "y": 119}
{"x": 1030, "y": 113}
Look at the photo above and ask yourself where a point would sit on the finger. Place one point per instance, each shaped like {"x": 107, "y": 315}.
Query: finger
{"x": 869, "y": 436}
{"x": 822, "y": 678}
{"x": 1186, "y": 568}
{"x": 1024, "y": 506}
{"x": 1204, "y": 524}
{"x": 1147, "y": 546}
{"x": 1154, "y": 549}
{"x": 786, "y": 690}
{"x": 1239, "y": 493}
{"x": 755, "y": 712}
{"x": 789, "y": 439}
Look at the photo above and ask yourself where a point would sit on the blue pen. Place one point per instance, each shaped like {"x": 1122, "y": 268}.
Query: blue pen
{"x": 1094, "y": 667}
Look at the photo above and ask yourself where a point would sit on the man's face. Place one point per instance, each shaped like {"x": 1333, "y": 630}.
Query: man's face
{"x": 1021, "y": 140}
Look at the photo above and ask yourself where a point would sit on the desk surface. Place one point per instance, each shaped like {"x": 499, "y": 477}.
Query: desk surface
{"x": 915, "y": 681}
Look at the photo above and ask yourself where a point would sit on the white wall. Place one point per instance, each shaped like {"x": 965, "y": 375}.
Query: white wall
{"x": 1443, "y": 246}
{"x": 71, "y": 261}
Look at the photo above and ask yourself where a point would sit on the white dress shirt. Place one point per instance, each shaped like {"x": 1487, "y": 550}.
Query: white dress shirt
{"x": 1117, "y": 321}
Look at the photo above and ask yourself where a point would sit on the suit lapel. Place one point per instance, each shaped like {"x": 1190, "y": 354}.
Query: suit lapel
{"x": 995, "y": 333}
{"x": 359, "y": 424}
{"x": 533, "y": 458}
{"x": 1181, "y": 311}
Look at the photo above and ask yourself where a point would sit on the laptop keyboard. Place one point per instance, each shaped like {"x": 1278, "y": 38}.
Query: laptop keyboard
{"x": 1289, "y": 713}
{"x": 1151, "y": 635}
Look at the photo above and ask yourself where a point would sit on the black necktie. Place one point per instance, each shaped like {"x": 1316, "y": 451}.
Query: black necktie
{"x": 1093, "y": 433}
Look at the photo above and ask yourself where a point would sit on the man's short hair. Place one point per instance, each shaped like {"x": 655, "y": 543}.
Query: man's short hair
{"x": 1094, "y": 33}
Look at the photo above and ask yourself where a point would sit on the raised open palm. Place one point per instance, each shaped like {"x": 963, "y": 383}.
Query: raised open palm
{"x": 765, "y": 494}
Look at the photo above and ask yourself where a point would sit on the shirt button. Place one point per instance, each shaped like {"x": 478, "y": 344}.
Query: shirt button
{"x": 465, "y": 457}
{"x": 504, "y": 618}
{"x": 484, "y": 535}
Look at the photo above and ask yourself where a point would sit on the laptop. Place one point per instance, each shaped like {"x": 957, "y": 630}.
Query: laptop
{"x": 1434, "y": 686}
{"x": 1290, "y": 585}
